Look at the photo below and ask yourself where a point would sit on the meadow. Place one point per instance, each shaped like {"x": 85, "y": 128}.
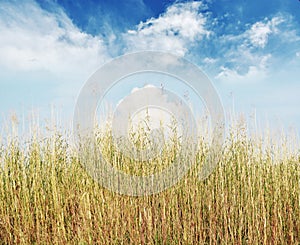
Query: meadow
{"x": 252, "y": 197}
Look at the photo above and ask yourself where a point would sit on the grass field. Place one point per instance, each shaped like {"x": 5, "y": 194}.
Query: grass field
{"x": 252, "y": 197}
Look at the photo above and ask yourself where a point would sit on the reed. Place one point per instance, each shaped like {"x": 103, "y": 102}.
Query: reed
{"x": 252, "y": 197}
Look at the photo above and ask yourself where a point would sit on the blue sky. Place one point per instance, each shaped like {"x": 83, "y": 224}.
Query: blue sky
{"x": 249, "y": 49}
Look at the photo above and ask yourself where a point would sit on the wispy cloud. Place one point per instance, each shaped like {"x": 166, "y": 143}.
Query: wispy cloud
{"x": 47, "y": 42}
{"x": 254, "y": 53}
{"x": 261, "y": 30}
{"x": 181, "y": 26}
{"x": 254, "y": 73}
{"x": 34, "y": 39}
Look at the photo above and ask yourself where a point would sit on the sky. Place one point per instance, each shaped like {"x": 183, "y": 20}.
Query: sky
{"x": 250, "y": 50}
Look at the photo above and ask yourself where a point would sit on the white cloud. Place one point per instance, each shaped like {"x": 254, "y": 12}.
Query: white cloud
{"x": 260, "y": 31}
{"x": 255, "y": 71}
{"x": 175, "y": 30}
{"x": 247, "y": 58}
{"x": 208, "y": 60}
{"x": 34, "y": 39}
{"x": 232, "y": 76}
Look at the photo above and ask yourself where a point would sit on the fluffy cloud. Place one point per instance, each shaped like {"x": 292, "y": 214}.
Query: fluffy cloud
{"x": 49, "y": 41}
{"x": 260, "y": 31}
{"x": 254, "y": 73}
{"x": 34, "y": 39}
{"x": 250, "y": 56}
{"x": 175, "y": 30}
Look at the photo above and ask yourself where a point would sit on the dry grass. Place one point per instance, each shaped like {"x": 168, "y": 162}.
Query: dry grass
{"x": 251, "y": 198}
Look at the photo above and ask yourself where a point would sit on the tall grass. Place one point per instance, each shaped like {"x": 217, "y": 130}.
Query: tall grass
{"x": 252, "y": 197}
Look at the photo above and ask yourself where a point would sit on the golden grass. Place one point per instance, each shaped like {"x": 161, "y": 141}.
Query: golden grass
{"x": 252, "y": 197}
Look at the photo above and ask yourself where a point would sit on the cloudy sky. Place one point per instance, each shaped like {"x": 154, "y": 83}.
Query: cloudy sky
{"x": 249, "y": 49}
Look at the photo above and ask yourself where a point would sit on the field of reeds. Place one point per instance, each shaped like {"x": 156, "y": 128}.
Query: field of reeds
{"x": 252, "y": 197}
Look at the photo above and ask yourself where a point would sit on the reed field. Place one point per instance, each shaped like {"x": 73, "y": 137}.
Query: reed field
{"x": 252, "y": 197}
